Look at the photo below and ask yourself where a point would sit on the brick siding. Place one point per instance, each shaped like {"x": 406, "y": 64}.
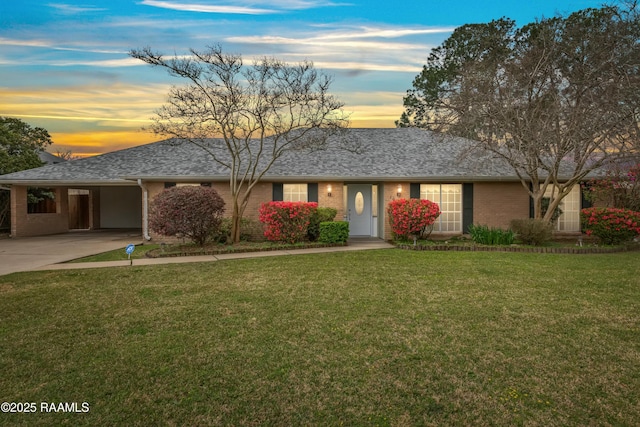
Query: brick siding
{"x": 495, "y": 204}
{"x": 25, "y": 224}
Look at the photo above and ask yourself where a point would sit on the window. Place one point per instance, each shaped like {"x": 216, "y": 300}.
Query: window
{"x": 41, "y": 200}
{"x": 449, "y": 198}
{"x": 294, "y": 192}
{"x": 374, "y": 200}
{"x": 570, "y": 206}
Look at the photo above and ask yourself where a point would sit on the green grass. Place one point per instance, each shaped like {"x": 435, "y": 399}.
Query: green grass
{"x": 384, "y": 337}
{"x": 118, "y": 254}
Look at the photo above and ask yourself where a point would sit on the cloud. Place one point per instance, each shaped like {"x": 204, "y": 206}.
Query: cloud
{"x": 69, "y": 9}
{"x": 26, "y": 43}
{"x": 355, "y": 49}
{"x": 195, "y": 7}
{"x": 243, "y": 7}
{"x": 106, "y": 63}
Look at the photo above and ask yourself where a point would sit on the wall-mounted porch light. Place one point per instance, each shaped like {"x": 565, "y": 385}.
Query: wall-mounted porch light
{"x": 399, "y": 193}
{"x": 329, "y": 190}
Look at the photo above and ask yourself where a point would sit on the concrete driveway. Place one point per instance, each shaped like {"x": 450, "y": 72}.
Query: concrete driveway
{"x": 29, "y": 253}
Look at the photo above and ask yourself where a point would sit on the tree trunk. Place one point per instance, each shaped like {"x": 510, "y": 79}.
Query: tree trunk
{"x": 537, "y": 204}
{"x": 236, "y": 217}
{"x": 553, "y": 205}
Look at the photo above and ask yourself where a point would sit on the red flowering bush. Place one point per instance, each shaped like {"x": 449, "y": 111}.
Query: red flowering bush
{"x": 411, "y": 216}
{"x": 193, "y": 211}
{"x": 286, "y": 222}
{"x": 610, "y": 225}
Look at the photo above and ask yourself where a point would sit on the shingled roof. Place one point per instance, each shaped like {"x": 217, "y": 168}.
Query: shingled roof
{"x": 386, "y": 155}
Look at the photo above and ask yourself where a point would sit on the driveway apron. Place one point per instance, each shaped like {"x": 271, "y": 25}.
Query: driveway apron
{"x": 30, "y": 253}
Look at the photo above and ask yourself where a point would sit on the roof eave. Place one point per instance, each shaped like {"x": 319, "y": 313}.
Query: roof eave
{"x": 66, "y": 183}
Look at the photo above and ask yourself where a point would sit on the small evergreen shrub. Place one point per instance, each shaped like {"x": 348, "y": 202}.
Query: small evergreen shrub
{"x": 286, "y": 222}
{"x": 484, "y": 235}
{"x": 320, "y": 215}
{"x": 249, "y": 230}
{"x": 612, "y": 226}
{"x": 195, "y": 212}
{"x": 411, "y": 217}
{"x": 531, "y": 231}
{"x": 334, "y": 232}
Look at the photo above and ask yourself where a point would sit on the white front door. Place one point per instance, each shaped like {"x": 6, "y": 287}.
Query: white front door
{"x": 359, "y": 209}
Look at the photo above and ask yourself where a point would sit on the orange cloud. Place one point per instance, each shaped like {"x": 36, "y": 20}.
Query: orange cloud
{"x": 85, "y": 144}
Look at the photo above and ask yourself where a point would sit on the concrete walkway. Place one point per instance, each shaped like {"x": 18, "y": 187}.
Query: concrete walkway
{"x": 51, "y": 252}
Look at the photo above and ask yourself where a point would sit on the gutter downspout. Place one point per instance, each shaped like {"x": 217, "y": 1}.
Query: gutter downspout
{"x": 145, "y": 210}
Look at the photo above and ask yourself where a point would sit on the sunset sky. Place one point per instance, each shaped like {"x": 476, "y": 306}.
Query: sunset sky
{"x": 64, "y": 66}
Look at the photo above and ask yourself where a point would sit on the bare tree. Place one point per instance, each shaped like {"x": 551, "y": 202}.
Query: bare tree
{"x": 258, "y": 112}
{"x": 66, "y": 155}
{"x": 556, "y": 99}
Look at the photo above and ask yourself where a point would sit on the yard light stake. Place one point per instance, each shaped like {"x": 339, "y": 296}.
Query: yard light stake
{"x": 129, "y": 250}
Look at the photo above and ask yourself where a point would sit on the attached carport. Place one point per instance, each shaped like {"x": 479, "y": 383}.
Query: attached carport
{"x": 69, "y": 206}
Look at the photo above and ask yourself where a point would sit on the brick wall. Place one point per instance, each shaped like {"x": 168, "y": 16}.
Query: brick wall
{"x": 495, "y": 204}
{"x": 261, "y": 193}
{"x": 391, "y": 193}
{"x": 25, "y": 224}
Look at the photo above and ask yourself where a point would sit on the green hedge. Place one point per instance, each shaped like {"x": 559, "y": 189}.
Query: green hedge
{"x": 334, "y": 232}
{"x": 322, "y": 214}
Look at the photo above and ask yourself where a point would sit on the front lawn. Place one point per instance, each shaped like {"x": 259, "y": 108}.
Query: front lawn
{"x": 384, "y": 337}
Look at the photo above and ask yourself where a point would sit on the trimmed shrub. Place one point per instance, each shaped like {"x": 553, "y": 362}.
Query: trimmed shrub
{"x": 531, "y": 231}
{"x": 484, "y": 235}
{"x": 320, "y": 215}
{"x": 286, "y": 222}
{"x": 334, "y": 232}
{"x": 612, "y": 226}
{"x": 193, "y": 211}
{"x": 411, "y": 217}
{"x": 249, "y": 230}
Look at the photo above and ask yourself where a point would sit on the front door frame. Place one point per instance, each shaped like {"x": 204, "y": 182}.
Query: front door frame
{"x": 360, "y": 224}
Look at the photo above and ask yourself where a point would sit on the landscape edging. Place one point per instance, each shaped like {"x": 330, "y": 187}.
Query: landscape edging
{"x": 521, "y": 249}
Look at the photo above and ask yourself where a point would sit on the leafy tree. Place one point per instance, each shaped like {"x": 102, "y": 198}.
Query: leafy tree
{"x": 258, "y": 112}
{"x": 193, "y": 211}
{"x": 556, "y": 99}
{"x": 20, "y": 145}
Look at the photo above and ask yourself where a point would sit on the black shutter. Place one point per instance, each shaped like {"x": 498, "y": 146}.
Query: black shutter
{"x": 169, "y": 184}
{"x": 584, "y": 203}
{"x": 414, "y": 190}
{"x": 312, "y": 192}
{"x": 531, "y": 205}
{"x": 278, "y": 192}
{"x": 467, "y": 206}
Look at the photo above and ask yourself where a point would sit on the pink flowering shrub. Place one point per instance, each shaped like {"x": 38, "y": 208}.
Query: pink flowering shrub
{"x": 286, "y": 222}
{"x": 411, "y": 216}
{"x": 193, "y": 211}
{"x": 610, "y": 225}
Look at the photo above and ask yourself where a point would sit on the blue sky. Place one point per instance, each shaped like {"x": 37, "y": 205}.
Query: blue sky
{"x": 64, "y": 65}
